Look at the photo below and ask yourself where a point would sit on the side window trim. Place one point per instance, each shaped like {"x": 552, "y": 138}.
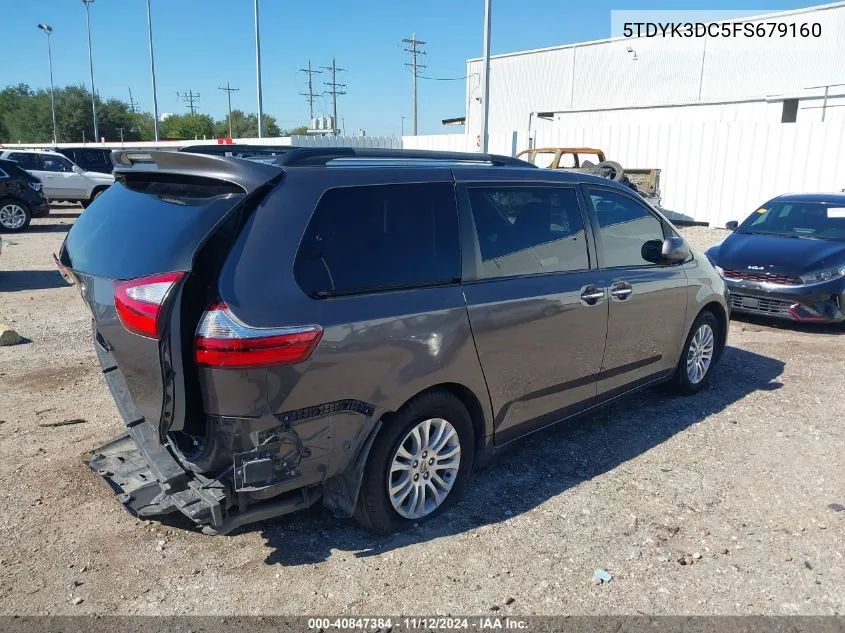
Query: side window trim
{"x": 3, "y": 174}
{"x": 594, "y": 223}
{"x": 471, "y": 249}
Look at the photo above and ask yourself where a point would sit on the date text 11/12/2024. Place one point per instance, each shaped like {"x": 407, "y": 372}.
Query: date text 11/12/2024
{"x": 418, "y": 623}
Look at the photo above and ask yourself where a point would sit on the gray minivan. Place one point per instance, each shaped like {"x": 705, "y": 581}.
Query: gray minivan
{"x": 367, "y": 326}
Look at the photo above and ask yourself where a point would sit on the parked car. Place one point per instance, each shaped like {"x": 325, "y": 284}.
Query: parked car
{"x": 62, "y": 180}
{"x": 21, "y": 198}
{"x": 787, "y": 259}
{"x": 366, "y": 326}
{"x": 96, "y": 159}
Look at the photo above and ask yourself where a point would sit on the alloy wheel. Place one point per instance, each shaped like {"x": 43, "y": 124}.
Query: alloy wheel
{"x": 424, "y": 468}
{"x": 700, "y": 353}
{"x": 12, "y": 216}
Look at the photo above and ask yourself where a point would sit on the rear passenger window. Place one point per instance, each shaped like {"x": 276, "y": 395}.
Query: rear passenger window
{"x": 26, "y": 160}
{"x": 379, "y": 237}
{"x": 528, "y": 230}
{"x": 626, "y": 226}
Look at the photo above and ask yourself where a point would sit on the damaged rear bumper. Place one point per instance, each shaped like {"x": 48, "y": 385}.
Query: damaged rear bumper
{"x": 149, "y": 482}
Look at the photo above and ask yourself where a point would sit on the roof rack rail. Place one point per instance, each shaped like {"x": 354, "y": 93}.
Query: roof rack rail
{"x": 247, "y": 174}
{"x": 316, "y": 156}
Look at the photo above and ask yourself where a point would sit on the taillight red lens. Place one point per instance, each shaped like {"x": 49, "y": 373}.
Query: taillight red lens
{"x": 139, "y": 302}
{"x": 223, "y": 341}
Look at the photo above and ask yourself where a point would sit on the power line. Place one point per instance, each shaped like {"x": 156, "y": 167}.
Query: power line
{"x": 335, "y": 90}
{"x": 447, "y": 78}
{"x": 415, "y": 51}
{"x": 229, "y": 90}
{"x": 310, "y": 93}
{"x": 191, "y": 98}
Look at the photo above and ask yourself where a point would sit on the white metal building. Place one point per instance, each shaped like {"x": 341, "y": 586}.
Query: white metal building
{"x": 668, "y": 80}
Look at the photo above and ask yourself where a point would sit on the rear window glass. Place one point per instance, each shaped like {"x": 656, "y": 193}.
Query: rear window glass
{"x": 13, "y": 171}
{"x": 372, "y": 238}
{"x": 130, "y": 233}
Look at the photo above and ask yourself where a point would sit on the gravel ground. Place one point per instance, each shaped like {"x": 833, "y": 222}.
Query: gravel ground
{"x": 743, "y": 483}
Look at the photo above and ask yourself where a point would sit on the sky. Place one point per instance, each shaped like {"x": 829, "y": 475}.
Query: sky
{"x": 200, "y": 45}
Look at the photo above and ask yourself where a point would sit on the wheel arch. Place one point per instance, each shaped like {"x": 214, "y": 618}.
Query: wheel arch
{"x": 473, "y": 405}
{"x": 721, "y": 315}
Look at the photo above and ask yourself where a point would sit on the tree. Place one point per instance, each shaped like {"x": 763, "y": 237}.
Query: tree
{"x": 246, "y": 125}
{"x": 302, "y": 130}
{"x": 25, "y": 116}
{"x": 187, "y": 127}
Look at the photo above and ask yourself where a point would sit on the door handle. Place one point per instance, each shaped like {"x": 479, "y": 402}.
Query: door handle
{"x": 592, "y": 295}
{"x": 621, "y": 290}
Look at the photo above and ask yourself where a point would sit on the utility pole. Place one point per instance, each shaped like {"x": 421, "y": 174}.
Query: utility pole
{"x": 258, "y": 73}
{"x": 152, "y": 71}
{"x": 335, "y": 90}
{"x": 133, "y": 107}
{"x": 87, "y": 4}
{"x": 229, "y": 90}
{"x": 191, "y": 98}
{"x": 485, "y": 81}
{"x": 48, "y": 30}
{"x": 310, "y": 93}
{"x": 415, "y": 50}
{"x": 403, "y": 127}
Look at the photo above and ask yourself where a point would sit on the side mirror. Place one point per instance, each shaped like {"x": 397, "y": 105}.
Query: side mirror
{"x": 77, "y": 169}
{"x": 675, "y": 250}
{"x": 732, "y": 225}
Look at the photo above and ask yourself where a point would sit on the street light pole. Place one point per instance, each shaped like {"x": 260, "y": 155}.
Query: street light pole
{"x": 87, "y": 4}
{"x": 258, "y": 73}
{"x": 152, "y": 71}
{"x": 48, "y": 30}
{"x": 485, "y": 80}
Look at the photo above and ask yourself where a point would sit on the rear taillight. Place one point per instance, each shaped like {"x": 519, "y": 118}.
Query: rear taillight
{"x": 223, "y": 341}
{"x": 65, "y": 273}
{"x": 139, "y": 302}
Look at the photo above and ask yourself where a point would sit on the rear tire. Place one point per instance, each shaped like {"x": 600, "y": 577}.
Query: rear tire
{"x": 431, "y": 467}
{"x": 15, "y": 215}
{"x": 698, "y": 356}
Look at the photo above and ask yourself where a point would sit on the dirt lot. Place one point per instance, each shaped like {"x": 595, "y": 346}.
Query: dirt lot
{"x": 747, "y": 478}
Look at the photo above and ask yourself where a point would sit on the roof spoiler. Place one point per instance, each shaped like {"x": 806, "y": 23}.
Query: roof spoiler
{"x": 247, "y": 174}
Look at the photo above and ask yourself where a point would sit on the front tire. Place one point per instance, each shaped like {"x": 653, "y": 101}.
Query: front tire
{"x": 695, "y": 367}
{"x": 419, "y": 464}
{"x": 15, "y": 215}
{"x": 94, "y": 195}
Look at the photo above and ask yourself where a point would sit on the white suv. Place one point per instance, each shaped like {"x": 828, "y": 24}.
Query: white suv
{"x": 61, "y": 179}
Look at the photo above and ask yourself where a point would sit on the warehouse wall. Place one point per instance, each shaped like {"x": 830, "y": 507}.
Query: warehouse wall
{"x": 599, "y": 75}
{"x": 716, "y": 172}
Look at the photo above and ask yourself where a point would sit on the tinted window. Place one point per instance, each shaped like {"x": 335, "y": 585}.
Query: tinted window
{"x": 625, "y": 227}
{"x": 154, "y": 226}
{"x": 528, "y": 230}
{"x": 379, "y": 237}
{"x": 13, "y": 170}
{"x": 26, "y": 160}
{"x": 93, "y": 157}
{"x": 55, "y": 163}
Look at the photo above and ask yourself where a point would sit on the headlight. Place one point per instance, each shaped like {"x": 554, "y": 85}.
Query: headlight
{"x": 822, "y": 275}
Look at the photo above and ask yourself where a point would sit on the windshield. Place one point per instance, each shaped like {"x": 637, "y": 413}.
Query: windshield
{"x": 818, "y": 220}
